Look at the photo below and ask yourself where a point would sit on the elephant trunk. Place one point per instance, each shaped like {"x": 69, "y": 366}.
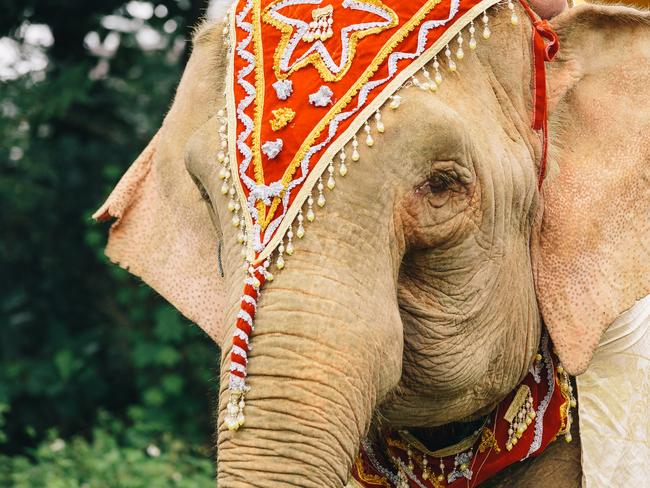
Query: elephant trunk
{"x": 325, "y": 350}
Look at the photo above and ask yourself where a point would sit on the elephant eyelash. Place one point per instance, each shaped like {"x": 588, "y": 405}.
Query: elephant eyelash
{"x": 441, "y": 181}
{"x": 219, "y": 258}
{"x": 202, "y": 191}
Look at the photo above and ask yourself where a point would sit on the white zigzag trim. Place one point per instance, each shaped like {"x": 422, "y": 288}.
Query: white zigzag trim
{"x": 543, "y": 405}
{"x": 251, "y": 93}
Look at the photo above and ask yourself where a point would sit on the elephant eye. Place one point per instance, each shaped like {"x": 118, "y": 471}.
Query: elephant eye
{"x": 441, "y": 181}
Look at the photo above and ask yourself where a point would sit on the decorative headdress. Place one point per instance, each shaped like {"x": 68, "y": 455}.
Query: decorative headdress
{"x": 305, "y": 77}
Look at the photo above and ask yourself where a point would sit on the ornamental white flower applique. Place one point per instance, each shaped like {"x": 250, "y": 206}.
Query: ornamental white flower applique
{"x": 272, "y": 148}
{"x": 322, "y": 98}
{"x": 283, "y": 89}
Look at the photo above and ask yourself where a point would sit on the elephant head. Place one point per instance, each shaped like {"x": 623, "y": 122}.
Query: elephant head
{"x": 418, "y": 296}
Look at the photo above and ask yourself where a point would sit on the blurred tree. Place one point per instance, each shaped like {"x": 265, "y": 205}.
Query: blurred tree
{"x": 78, "y": 334}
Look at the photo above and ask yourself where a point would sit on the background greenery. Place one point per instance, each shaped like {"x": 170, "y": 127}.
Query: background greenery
{"x": 102, "y": 383}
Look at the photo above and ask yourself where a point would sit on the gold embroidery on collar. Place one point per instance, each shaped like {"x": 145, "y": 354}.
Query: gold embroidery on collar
{"x": 488, "y": 441}
{"x": 370, "y": 478}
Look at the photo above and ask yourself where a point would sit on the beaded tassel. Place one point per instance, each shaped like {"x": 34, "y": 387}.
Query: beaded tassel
{"x": 451, "y": 64}
{"x": 514, "y": 20}
{"x": 472, "y": 39}
{"x": 486, "y": 29}
{"x": 460, "y": 54}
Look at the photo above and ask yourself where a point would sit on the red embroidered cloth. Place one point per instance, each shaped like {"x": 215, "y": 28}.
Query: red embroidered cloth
{"x": 305, "y": 76}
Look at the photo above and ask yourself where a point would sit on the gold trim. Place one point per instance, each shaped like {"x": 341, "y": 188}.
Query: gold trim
{"x": 256, "y": 144}
{"x": 564, "y": 381}
{"x": 375, "y": 479}
{"x": 315, "y": 58}
{"x": 523, "y": 392}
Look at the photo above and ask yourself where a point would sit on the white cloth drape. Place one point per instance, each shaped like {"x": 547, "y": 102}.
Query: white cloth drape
{"x": 614, "y": 404}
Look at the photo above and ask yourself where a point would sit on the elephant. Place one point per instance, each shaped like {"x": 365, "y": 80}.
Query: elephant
{"x": 420, "y": 296}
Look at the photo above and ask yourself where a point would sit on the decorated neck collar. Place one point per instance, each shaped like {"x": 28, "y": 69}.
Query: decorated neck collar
{"x": 521, "y": 426}
{"x": 306, "y": 85}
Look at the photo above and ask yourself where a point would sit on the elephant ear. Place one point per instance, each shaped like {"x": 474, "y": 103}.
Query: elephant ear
{"x": 163, "y": 231}
{"x": 592, "y": 256}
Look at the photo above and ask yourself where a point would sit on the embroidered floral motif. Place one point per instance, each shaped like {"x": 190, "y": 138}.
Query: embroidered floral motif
{"x": 283, "y": 89}
{"x": 322, "y": 98}
{"x": 282, "y": 117}
{"x": 297, "y": 30}
{"x": 272, "y": 148}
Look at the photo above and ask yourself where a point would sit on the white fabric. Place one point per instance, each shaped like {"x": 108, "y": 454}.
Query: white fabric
{"x": 614, "y": 403}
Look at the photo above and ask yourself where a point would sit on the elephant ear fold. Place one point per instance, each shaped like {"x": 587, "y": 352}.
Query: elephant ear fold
{"x": 592, "y": 254}
{"x": 163, "y": 232}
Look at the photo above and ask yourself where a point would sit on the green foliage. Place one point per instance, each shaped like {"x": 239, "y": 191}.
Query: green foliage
{"x": 78, "y": 335}
{"x": 110, "y": 459}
